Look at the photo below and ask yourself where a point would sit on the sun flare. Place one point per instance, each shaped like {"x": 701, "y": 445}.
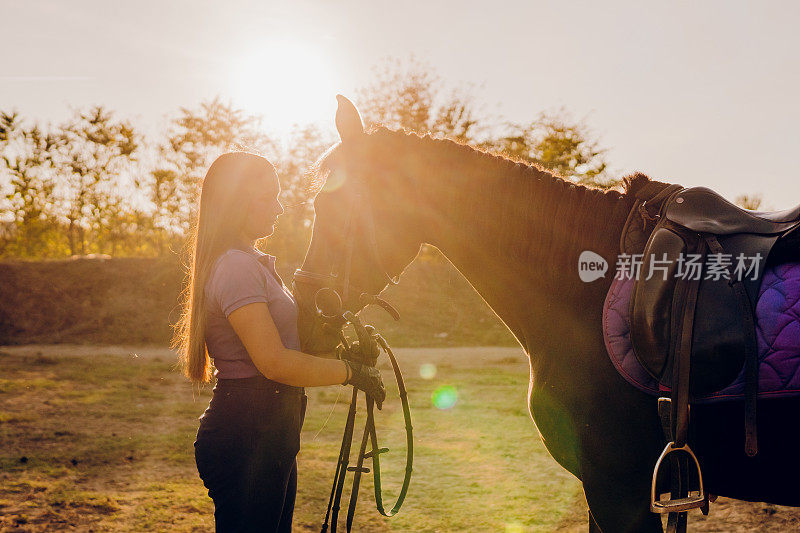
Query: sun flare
{"x": 287, "y": 82}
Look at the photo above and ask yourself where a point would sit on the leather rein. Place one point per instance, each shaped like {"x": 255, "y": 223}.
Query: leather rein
{"x": 332, "y": 319}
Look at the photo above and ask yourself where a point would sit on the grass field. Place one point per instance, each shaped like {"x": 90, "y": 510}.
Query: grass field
{"x": 100, "y": 439}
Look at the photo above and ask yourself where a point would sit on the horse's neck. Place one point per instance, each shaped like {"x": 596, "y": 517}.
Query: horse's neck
{"x": 518, "y": 244}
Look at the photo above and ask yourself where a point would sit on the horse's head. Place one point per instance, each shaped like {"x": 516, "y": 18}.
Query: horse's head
{"x": 362, "y": 239}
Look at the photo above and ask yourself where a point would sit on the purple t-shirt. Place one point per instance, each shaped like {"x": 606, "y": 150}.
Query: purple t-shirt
{"x": 240, "y": 277}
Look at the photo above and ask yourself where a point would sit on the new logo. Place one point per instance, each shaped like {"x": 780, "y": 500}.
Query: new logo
{"x": 591, "y": 266}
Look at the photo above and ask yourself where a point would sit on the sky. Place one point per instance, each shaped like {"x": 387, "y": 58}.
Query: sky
{"x": 698, "y": 93}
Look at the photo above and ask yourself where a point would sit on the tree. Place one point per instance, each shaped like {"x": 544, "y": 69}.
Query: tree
{"x": 26, "y": 154}
{"x": 303, "y": 147}
{"x": 554, "y": 142}
{"x": 749, "y": 201}
{"x": 196, "y": 137}
{"x": 411, "y": 95}
{"x": 169, "y": 204}
{"x": 95, "y": 150}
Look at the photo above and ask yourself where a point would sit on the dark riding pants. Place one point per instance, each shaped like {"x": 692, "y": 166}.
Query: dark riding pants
{"x": 246, "y": 452}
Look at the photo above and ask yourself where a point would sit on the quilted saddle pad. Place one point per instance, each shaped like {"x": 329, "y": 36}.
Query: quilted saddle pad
{"x": 777, "y": 331}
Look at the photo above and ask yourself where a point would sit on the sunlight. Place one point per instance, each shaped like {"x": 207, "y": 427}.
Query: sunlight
{"x": 287, "y": 82}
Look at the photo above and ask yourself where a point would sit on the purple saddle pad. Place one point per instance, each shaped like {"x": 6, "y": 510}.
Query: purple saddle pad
{"x": 777, "y": 331}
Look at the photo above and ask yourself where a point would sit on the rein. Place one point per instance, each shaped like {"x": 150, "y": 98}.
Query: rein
{"x": 342, "y": 465}
{"x": 333, "y": 319}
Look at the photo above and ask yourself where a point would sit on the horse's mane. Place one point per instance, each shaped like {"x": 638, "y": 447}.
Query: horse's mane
{"x": 475, "y": 174}
{"x": 314, "y": 178}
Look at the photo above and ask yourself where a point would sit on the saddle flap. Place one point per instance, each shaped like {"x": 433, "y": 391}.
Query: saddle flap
{"x": 651, "y": 305}
{"x": 674, "y": 264}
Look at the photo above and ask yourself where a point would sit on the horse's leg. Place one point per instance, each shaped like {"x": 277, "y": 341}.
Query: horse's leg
{"x": 615, "y": 506}
{"x": 610, "y": 441}
{"x": 617, "y": 454}
{"x": 619, "y": 446}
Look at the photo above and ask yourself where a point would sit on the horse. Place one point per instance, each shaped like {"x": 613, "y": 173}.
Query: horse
{"x": 516, "y": 233}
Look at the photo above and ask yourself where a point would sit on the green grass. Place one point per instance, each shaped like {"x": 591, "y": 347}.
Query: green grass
{"x": 105, "y": 443}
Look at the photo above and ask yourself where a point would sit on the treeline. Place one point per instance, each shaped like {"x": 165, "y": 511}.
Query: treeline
{"x": 96, "y": 184}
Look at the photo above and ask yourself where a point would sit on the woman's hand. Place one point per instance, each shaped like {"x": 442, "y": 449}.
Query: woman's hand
{"x": 368, "y": 379}
{"x": 367, "y": 353}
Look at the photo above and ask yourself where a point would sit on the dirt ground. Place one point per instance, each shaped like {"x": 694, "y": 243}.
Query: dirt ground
{"x": 726, "y": 515}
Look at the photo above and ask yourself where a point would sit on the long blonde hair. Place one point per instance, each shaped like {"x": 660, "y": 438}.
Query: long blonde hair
{"x": 229, "y": 183}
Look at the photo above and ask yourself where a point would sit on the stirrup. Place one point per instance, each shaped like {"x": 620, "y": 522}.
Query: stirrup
{"x": 676, "y": 505}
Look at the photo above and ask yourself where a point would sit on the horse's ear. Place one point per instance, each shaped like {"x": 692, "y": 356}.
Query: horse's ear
{"x": 348, "y": 121}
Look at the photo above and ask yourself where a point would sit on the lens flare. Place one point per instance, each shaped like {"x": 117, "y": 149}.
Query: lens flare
{"x": 427, "y": 371}
{"x": 444, "y": 397}
{"x": 334, "y": 180}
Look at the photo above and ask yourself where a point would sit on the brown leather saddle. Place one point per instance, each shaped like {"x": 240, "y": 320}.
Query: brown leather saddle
{"x": 699, "y": 269}
{"x": 698, "y": 223}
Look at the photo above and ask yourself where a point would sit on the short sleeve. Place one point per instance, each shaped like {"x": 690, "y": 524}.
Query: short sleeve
{"x": 237, "y": 280}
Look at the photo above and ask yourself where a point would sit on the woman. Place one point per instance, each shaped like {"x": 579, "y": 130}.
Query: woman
{"x": 239, "y": 315}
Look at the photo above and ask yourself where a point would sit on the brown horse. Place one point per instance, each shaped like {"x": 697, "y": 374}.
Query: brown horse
{"x": 516, "y": 233}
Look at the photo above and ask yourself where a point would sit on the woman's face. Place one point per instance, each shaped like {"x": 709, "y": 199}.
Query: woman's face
{"x": 263, "y": 209}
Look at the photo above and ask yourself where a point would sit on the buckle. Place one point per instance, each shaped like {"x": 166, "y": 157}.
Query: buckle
{"x": 677, "y": 505}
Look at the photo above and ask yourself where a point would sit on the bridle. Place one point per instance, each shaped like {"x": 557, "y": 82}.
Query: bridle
{"x": 334, "y": 279}
{"x": 334, "y": 318}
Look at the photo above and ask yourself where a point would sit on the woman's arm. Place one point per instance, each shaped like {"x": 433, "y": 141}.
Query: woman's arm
{"x": 256, "y": 329}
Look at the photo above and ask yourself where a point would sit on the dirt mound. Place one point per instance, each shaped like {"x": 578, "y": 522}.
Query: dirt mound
{"x": 103, "y": 300}
{"x": 88, "y": 300}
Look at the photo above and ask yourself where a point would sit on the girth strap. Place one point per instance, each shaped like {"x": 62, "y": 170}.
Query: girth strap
{"x": 751, "y": 357}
